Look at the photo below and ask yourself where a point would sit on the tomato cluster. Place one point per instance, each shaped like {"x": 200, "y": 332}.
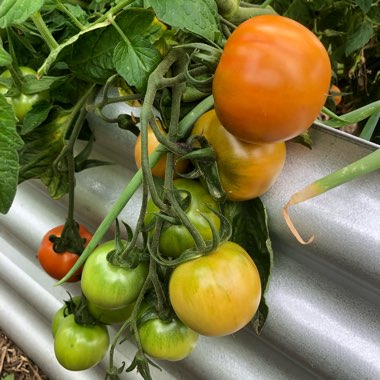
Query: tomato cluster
{"x": 190, "y": 279}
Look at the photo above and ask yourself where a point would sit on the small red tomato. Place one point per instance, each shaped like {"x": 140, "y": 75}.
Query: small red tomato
{"x": 58, "y": 264}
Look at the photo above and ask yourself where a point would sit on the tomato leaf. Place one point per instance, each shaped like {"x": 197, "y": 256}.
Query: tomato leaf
{"x": 17, "y": 11}
{"x": 5, "y": 58}
{"x": 10, "y": 142}
{"x": 42, "y": 146}
{"x": 35, "y": 116}
{"x": 97, "y": 63}
{"x": 358, "y": 36}
{"x": 134, "y": 60}
{"x": 249, "y": 222}
{"x": 196, "y": 16}
{"x": 364, "y": 5}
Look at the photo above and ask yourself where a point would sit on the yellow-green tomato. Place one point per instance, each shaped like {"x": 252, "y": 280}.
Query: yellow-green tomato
{"x": 108, "y": 286}
{"x": 23, "y": 103}
{"x": 79, "y": 347}
{"x": 167, "y": 340}
{"x": 218, "y": 293}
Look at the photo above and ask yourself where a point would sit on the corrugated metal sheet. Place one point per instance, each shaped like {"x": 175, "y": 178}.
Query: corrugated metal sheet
{"x": 324, "y": 298}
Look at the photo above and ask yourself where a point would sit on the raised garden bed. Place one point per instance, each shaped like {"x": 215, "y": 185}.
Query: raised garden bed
{"x": 324, "y": 298}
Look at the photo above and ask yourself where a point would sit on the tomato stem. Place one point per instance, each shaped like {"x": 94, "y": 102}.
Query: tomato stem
{"x": 184, "y": 127}
{"x": 70, "y": 240}
{"x": 44, "y": 31}
{"x": 64, "y": 10}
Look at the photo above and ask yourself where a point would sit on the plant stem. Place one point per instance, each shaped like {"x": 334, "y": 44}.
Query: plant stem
{"x": 44, "y": 31}
{"x": 363, "y": 166}
{"x": 184, "y": 127}
{"x": 245, "y": 13}
{"x": 118, "y": 7}
{"x": 63, "y": 9}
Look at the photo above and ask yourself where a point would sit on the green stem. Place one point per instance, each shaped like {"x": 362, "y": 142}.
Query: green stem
{"x": 185, "y": 126}
{"x": 63, "y": 9}
{"x": 245, "y": 13}
{"x": 118, "y": 7}
{"x": 44, "y": 31}
{"x": 354, "y": 116}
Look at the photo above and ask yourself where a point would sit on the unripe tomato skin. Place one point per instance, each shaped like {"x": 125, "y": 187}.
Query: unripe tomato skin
{"x": 167, "y": 340}
{"x": 78, "y": 347}
{"x": 246, "y": 170}
{"x": 23, "y": 103}
{"x": 108, "y": 286}
{"x": 272, "y": 80}
{"x": 218, "y": 293}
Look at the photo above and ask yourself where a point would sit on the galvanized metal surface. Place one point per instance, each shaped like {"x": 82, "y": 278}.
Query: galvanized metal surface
{"x": 324, "y": 298}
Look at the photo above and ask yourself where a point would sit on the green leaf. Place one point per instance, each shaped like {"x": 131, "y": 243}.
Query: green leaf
{"x": 196, "y": 16}
{"x": 36, "y": 116}
{"x": 41, "y": 149}
{"x": 370, "y": 126}
{"x": 358, "y": 37}
{"x": 53, "y": 55}
{"x": 135, "y": 60}
{"x": 5, "y": 58}
{"x": 364, "y": 5}
{"x": 33, "y": 85}
{"x": 17, "y": 11}
{"x": 249, "y": 222}
{"x": 92, "y": 56}
{"x": 10, "y": 142}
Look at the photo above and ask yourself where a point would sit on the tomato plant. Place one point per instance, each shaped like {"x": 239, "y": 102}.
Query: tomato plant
{"x": 218, "y": 293}
{"x": 272, "y": 80}
{"x": 23, "y": 103}
{"x": 159, "y": 169}
{"x": 79, "y": 347}
{"x": 167, "y": 340}
{"x": 57, "y": 264}
{"x": 175, "y": 238}
{"x": 246, "y": 170}
{"x": 108, "y": 286}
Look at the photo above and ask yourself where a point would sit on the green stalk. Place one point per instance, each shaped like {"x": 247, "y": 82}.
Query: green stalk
{"x": 184, "y": 127}
{"x": 353, "y": 116}
{"x": 63, "y": 9}
{"x": 245, "y": 13}
{"x": 363, "y": 166}
{"x": 118, "y": 7}
{"x": 44, "y": 31}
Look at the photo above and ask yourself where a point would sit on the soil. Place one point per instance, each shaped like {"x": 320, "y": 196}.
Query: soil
{"x": 14, "y": 364}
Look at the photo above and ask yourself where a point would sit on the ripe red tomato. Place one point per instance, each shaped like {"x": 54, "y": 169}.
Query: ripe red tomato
{"x": 218, "y": 293}
{"x": 58, "y": 264}
{"x": 246, "y": 170}
{"x": 272, "y": 80}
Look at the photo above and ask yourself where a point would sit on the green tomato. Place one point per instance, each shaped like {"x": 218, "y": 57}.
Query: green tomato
{"x": 23, "y": 103}
{"x": 175, "y": 239}
{"x": 79, "y": 347}
{"x": 167, "y": 340}
{"x": 108, "y": 286}
{"x": 110, "y": 316}
{"x": 62, "y": 313}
